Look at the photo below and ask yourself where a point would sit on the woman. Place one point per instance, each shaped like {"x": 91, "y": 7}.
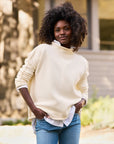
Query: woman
{"x": 53, "y": 80}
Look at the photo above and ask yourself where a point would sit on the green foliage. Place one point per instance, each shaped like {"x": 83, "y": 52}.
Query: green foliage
{"x": 99, "y": 112}
{"x": 22, "y": 122}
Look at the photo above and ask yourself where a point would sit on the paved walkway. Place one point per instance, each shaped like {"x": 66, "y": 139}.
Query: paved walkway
{"x": 24, "y": 135}
{"x": 102, "y": 136}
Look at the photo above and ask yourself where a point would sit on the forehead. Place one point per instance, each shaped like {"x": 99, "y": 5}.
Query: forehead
{"x": 62, "y": 23}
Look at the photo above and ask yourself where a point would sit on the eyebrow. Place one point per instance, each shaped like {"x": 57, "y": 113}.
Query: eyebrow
{"x": 63, "y": 26}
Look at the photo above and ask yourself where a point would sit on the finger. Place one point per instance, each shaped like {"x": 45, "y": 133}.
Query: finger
{"x": 48, "y": 116}
{"x": 45, "y": 114}
{"x": 77, "y": 105}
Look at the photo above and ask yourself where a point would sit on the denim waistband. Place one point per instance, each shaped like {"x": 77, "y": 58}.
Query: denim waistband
{"x": 42, "y": 124}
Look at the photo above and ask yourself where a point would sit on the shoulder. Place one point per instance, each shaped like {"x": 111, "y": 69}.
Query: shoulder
{"x": 40, "y": 49}
{"x": 82, "y": 61}
{"x": 81, "y": 58}
{"x": 37, "y": 54}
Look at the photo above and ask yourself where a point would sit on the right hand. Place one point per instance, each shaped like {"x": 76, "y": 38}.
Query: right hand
{"x": 39, "y": 113}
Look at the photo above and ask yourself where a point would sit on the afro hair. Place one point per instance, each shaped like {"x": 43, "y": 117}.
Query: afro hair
{"x": 63, "y": 12}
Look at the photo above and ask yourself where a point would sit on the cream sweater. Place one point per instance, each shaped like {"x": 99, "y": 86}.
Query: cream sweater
{"x": 56, "y": 78}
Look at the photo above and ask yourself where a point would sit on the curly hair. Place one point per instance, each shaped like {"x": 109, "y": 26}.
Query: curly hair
{"x": 63, "y": 12}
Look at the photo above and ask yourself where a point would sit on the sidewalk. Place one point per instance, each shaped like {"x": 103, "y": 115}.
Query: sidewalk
{"x": 24, "y": 135}
{"x": 102, "y": 136}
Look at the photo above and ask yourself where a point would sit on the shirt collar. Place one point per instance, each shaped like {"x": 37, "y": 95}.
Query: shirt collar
{"x": 58, "y": 43}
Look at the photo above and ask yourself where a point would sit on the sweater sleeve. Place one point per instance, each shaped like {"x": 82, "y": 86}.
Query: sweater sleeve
{"x": 27, "y": 70}
{"x": 83, "y": 83}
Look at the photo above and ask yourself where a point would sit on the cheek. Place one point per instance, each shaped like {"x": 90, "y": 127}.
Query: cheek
{"x": 69, "y": 33}
{"x": 56, "y": 35}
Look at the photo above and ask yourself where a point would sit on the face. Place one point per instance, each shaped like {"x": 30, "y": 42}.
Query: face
{"x": 62, "y": 33}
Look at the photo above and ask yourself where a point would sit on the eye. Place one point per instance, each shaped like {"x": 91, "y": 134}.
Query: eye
{"x": 57, "y": 30}
{"x": 67, "y": 28}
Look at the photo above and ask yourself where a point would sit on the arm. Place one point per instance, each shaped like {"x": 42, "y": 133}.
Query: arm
{"x": 37, "y": 112}
{"x": 23, "y": 78}
{"x": 82, "y": 85}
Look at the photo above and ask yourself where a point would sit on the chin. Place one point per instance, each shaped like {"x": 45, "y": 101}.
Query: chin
{"x": 63, "y": 43}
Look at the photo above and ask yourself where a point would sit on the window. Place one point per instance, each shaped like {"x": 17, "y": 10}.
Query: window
{"x": 106, "y": 23}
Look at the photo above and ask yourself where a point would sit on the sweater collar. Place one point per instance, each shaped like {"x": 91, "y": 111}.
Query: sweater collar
{"x": 70, "y": 50}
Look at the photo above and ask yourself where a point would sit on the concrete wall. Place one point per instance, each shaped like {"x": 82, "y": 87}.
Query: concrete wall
{"x": 101, "y": 67}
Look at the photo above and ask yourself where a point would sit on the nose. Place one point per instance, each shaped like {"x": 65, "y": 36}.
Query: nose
{"x": 62, "y": 31}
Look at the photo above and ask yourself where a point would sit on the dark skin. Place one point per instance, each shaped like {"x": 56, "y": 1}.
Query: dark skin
{"x": 62, "y": 33}
{"x": 79, "y": 105}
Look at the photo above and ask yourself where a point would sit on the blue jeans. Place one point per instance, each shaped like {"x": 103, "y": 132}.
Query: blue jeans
{"x": 49, "y": 134}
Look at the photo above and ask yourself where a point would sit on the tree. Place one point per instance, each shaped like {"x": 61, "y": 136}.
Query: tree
{"x": 17, "y": 30}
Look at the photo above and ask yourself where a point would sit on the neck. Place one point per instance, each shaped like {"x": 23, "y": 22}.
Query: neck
{"x": 66, "y": 45}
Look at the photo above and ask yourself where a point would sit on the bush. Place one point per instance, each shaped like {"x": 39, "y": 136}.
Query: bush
{"x": 99, "y": 111}
{"x": 16, "y": 122}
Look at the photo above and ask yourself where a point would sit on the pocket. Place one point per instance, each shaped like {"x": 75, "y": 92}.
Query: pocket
{"x": 40, "y": 124}
{"x": 76, "y": 118}
{"x": 39, "y": 121}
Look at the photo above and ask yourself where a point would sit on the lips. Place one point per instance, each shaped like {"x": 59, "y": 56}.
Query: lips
{"x": 63, "y": 38}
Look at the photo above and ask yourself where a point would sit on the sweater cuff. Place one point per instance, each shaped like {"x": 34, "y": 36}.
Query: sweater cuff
{"x": 24, "y": 86}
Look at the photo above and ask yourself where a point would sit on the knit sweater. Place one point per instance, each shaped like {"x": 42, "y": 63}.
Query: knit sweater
{"x": 56, "y": 78}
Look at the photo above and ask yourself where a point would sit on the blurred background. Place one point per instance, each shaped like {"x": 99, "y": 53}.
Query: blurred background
{"x": 20, "y": 21}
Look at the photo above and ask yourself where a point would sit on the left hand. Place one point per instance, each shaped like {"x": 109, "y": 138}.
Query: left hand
{"x": 79, "y": 105}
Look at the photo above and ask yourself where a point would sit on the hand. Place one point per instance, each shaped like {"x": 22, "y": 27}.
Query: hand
{"x": 79, "y": 105}
{"x": 39, "y": 113}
